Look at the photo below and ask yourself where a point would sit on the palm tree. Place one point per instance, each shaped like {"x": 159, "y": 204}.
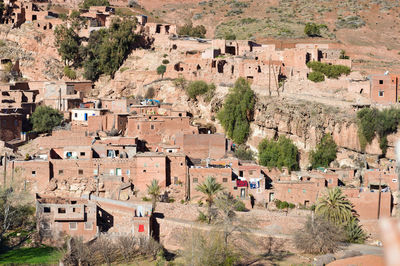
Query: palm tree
{"x": 335, "y": 207}
{"x": 209, "y": 188}
{"x": 154, "y": 190}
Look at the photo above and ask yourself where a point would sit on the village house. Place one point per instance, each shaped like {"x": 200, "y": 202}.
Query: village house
{"x": 89, "y": 217}
{"x": 384, "y": 88}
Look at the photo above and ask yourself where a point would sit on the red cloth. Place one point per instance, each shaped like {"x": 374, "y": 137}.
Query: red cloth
{"x": 240, "y": 183}
{"x": 141, "y": 228}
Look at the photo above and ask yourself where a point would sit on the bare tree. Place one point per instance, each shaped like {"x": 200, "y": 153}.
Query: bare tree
{"x": 319, "y": 236}
{"x": 129, "y": 247}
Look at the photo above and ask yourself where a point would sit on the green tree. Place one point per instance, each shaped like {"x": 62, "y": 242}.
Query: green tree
{"x": 237, "y": 111}
{"x": 161, "y": 70}
{"x": 335, "y": 207}
{"x": 189, "y": 30}
{"x": 278, "y": 153}
{"x": 313, "y": 29}
{"x": 210, "y": 188}
{"x": 354, "y": 232}
{"x": 325, "y": 152}
{"x": 197, "y": 88}
{"x": 45, "y": 118}
{"x": 108, "y": 48}
{"x": 316, "y": 76}
{"x": 68, "y": 45}
{"x": 88, "y": 3}
{"x": 154, "y": 191}
{"x": 243, "y": 153}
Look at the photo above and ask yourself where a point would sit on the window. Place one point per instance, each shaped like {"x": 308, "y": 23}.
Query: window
{"x": 380, "y": 81}
{"x": 157, "y": 165}
{"x": 33, "y": 173}
{"x": 46, "y": 209}
{"x": 241, "y": 173}
{"x": 394, "y": 180}
{"x": 145, "y": 165}
{"x": 138, "y": 127}
{"x": 176, "y": 180}
{"x": 73, "y": 209}
{"x": 195, "y": 180}
{"x": 76, "y": 114}
{"x": 82, "y": 153}
{"x": 60, "y": 172}
{"x": 304, "y": 191}
{"x": 251, "y": 172}
{"x": 380, "y": 93}
{"x": 80, "y": 171}
{"x": 73, "y": 226}
{"x": 289, "y": 190}
{"x": 224, "y": 179}
{"x": 330, "y": 181}
{"x": 61, "y": 210}
{"x": 152, "y": 126}
{"x": 128, "y": 172}
{"x": 144, "y": 171}
{"x": 95, "y": 171}
{"x": 88, "y": 225}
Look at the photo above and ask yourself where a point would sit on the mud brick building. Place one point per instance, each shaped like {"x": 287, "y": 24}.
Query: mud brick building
{"x": 88, "y": 218}
{"x": 384, "y": 88}
{"x": 10, "y": 126}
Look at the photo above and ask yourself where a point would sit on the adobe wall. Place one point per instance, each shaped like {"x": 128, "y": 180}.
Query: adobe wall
{"x": 10, "y": 127}
{"x": 202, "y": 145}
{"x": 366, "y": 205}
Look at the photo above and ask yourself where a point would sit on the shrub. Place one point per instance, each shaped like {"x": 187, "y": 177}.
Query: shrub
{"x": 197, "y": 88}
{"x": 189, "y": 30}
{"x": 243, "y": 153}
{"x": 165, "y": 61}
{"x": 230, "y": 36}
{"x": 146, "y": 199}
{"x": 202, "y": 217}
{"x": 354, "y": 232}
{"x": 325, "y": 152}
{"x": 291, "y": 206}
{"x": 318, "y": 236}
{"x": 350, "y": 22}
{"x": 330, "y": 71}
{"x": 182, "y": 201}
{"x": 45, "y": 118}
{"x": 237, "y": 111}
{"x": 240, "y": 206}
{"x": 68, "y": 72}
{"x": 278, "y": 153}
{"x": 88, "y": 3}
{"x": 161, "y": 70}
{"x": 313, "y": 29}
{"x": 372, "y": 122}
{"x": 316, "y": 76}
{"x": 150, "y": 93}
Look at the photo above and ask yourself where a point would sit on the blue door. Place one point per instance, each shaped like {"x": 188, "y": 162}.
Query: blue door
{"x": 85, "y": 117}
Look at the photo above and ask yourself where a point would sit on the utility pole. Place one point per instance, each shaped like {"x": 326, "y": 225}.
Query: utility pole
{"x": 269, "y": 76}
{"x": 379, "y": 199}
{"x": 59, "y": 98}
{"x": 5, "y": 170}
{"x": 12, "y": 173}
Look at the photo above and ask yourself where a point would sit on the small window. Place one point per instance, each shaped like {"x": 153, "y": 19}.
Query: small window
{"x": 380, "y": 81}
{"x": 76, "y": 114}
{"x": 61, "y": 172}
{"x": 195, "y": 180}
{"x": 224, "y": 179}
{"x": 330, "y": 181}
{"x": 88, "y": 225}
{"x": 181, "y": 164}
{"x": 80, "y": 171}
{"x": 145, "y": 165}
{"x": 61, "y": 210}
{"x": 394, "y": 180}
{"x": 73, "y": 226}
{"x": 176, "y": 180}
{"x": 73, "y": 209}
{"x": 128, "y": 172}
{"x": 33, "y": 173}
{"x": 82, "y": 153}
{"x": 380, "y": 93}
{"x": 289, "y": 190}
{"x": 304, "y": 191}
{"x": 144, "y": 171}
{"x": 46, "y": 209}
{"x": 152, "y": 126}
{"x": 157, "y": 165}
{"x": 138, "y": 127}
{"x": 95, "y": 171}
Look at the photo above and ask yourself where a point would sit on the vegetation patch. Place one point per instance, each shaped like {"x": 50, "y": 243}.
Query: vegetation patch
{"x": 237, "y": 111}
{"x": 350, "y": 22}
{"x": 45, "y": 118}
{"x": 330, "y": 71}
{"x": 36, "y": 255}
{"x": 243, "y": 153}
{"x": 372, "y": 122}
{"x": 197, "y": 88}
{"x": 192, "y": 31}
{"x": 88, "y": 3}
{"x": 325, "y": 152}
{"x": 278, "y": 153}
